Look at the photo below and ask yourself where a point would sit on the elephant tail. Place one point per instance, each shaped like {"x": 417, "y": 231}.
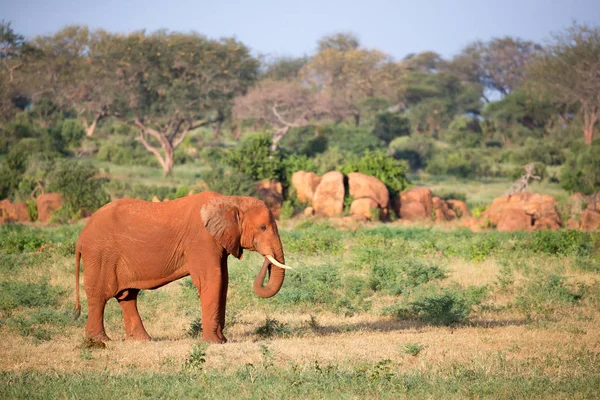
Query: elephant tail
{"x": 77, "y": 309}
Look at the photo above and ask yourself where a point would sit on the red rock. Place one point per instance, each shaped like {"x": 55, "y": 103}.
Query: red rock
{"x": 329, "y": 196}
{"x": 536, "y": 206}
{"x": 305, "y": 184}
{"x": 365, "y": 186}
{"x": 460, "y": 208}
{"x": 415, "y": 204}
{"x": 590, "y": 220}
{"x": 441, "y": 210}
{"x": 513, "y": 219}
{"x": 364, "y": 208}
{"x": 13, "y": 212}
{"x": 46, "y": 204}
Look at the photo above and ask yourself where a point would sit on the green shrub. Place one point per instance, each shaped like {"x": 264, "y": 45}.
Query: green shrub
{"x": 388, "y": 170}
{"x": 71, "y": 131}
{"x": 304, "y": 141}
{"x": 197, "y": 357}
{"x": 126, "y": 151}
{"x": 413, "y": 349}
{"x": 397, "y": 276}
{"x": 287, "y": 210}
{"x": 542, "y": 151}
{"x": 195, "y": 328}
{"x": 351, "y": 139}
{"x": 417, "y": 150}
{"x": 464, "y": 131}
{"x": 581, "y": 172}
{"x": 446, "y": 308}
{"x": 254, "y": 158}
{"x": 78, "y": 184}
{"x": 229, "y": 182}
{"x": 544, "y": 294}
{"x": 332, "y": 159}
{"x": 120, "y": 190}
{"x": 16, "y": 294}
{"x": 460, "y": 163}
{"x": 294, "y": 163}
{"x": 16, "y": 239}
{"x": 389, "y": 126}
{"x": 271, "y": 328}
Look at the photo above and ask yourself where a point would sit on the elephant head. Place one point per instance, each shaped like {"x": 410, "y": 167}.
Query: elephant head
{"x": 239, "y": 223}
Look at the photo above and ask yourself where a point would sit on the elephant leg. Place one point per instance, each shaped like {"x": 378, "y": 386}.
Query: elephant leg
{"x": 223, "y": 299}
{"x": 134, "y": 328}
{"x": 94, "y": 327}
{"x": 209, "y": 282}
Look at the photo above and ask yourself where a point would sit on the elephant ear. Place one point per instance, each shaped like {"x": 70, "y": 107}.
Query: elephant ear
{"x": 222, "y": 220}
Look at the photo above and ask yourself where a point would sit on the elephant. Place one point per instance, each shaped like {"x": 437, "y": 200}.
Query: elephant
{"x": 130, "y": 245}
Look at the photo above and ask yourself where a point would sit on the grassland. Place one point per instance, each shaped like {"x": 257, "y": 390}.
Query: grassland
{"x": 385, "y": 311}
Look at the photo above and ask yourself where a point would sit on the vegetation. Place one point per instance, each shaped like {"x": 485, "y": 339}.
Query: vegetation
{"x": 370, "y": 313}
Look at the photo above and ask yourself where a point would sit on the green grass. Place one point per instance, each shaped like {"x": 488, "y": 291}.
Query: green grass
{"x": 432, "y": 301}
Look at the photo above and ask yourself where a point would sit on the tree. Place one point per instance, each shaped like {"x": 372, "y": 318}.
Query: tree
{"x": 346, "y": 74}
{"x": 168, "y": 84}
{"x": 283, "y": 68}
{"x": 498, "y": 65}
{"x": 13, "y": 49}
{"x": 281, "y": 104}
{"x": 568, "y": 70}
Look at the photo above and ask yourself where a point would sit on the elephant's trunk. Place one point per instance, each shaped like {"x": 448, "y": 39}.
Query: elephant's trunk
{"x": 276, "y": 276}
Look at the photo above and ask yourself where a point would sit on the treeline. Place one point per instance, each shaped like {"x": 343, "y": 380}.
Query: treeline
{"x": 487, "y": 111}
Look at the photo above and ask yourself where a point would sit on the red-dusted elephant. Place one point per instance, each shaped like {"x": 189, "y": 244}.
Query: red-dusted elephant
{"x": 131, "y": 245}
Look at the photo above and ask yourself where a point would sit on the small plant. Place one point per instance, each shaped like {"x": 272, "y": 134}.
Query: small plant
{"x": 413, "y": 349}
{"x": 271, "y": 328}
{"x": 505, "y": 277}
{"x": 197, "y": 357}
{"x": 287, "y": 210}
{"x": 195, "y": 328}
{"x": 267, "y": 355}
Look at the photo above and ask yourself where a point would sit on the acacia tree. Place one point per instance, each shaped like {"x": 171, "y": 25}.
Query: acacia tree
{"x": 13, "y": 51}
{"x": 63, "y": 71}
{"x": 346, "y": 74}
{"x": 168, "y": 84}
{"x": 568, "y": 70}
{"x": 281, "y": 104}
{"x": 498, "y": 65}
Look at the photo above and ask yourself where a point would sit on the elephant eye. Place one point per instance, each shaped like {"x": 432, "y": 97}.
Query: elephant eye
{"x": 262, "y": 228}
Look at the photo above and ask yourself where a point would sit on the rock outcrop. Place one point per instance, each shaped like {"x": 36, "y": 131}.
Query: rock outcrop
{"x": 369, "y": 193}
{"x": 415, "y": 204}
{"x": 46, "y": 204}
{"x": 460, "y": 208}
{"x": 305, "y": 184}
{"x": 328, "y": 199}
{"x": 13, "y": 212}
{"x": 523, "y": 211}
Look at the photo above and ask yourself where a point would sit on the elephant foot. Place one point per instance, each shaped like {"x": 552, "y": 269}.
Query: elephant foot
{"x": 101, "y": 337}
{"x": 213, "y": 338}
{"x": 141, "y": 336}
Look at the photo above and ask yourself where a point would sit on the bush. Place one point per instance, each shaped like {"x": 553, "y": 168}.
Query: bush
{"x": 21, "y": 294}
{"x": 71, "y": 131}
{"x": 417, "y": 150}
{"x": 544, "y": 294}
{"x": 389, "y": 126}
{"x": 78, "y": 184}
{"x": 294, "y": 163}
{"x": 464, "y": 131}
{"x": 307, "y": 141}
{"x": 388, "y": 170}
{"x": 120, "y": 190}
{"x": 229, "y": 182}
{"x": 399, "y": 276}
{"x": 581, "y": 172}
{"x": 332, "y": 159}
{"x": 461, "y": 163}
{"x": 542, "y": 151}
{"x": 271, "y": 328}
{"x": 254, "y": 158}
{"x": 351, "y": 139}
{"x": 126, "y": 151}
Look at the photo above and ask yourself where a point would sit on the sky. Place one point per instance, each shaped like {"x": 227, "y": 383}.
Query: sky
{"x": 286, "y": 28}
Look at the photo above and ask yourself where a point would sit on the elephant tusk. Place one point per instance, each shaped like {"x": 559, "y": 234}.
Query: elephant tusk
{"x": 277, "y": 263}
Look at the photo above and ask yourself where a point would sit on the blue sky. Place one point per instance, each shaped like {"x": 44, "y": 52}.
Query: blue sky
{"x": 293, "y": 28}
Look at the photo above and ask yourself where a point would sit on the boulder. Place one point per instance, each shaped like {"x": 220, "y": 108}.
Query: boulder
{"x": 572, "y": 224}
{"x": 13, "y": 212}
{"x": 271, "y": 192}
{"x": 540, "y": 209}
{"x": 442, "y": 211}
{"x": 46, "y": 204}
{"x": 305, "y": 184}
{"x": 590, "y": 220}
{"x": 364, "y": 208}
{"x": 309, "y": 211}
{"x": 368, "y": 187}
{"x": 459, "y": 207}
{"x": 329, "y": 195}
{"x": 415, "y": 204}
{"x": 513, "y": 219}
